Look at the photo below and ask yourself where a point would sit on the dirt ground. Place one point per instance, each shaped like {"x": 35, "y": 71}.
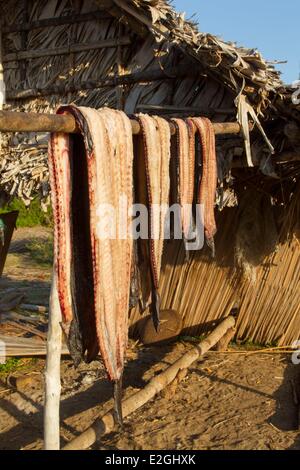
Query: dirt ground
{"x": 227, "y": 401}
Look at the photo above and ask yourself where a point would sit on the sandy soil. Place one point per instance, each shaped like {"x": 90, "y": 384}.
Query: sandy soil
{"x": 227, "y": 401}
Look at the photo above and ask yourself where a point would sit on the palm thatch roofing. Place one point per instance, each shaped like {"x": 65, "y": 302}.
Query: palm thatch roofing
{"x": 138, "y": 55}
{"x": 240, "y": 69}
{"x": 157, "y": 62}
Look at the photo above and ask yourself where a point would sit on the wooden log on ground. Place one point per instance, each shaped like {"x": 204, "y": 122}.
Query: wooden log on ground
{"x": 106, "y": 423}
{"x": 32, "y": 122}
{"x": 72, "y": 49}
{"x": 52, "y": 372}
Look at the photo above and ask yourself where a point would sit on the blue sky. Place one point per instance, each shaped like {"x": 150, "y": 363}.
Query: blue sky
{"x": 271, "y": 26}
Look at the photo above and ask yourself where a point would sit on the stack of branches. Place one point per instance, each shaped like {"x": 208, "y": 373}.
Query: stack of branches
{"x": 24, "y": 170}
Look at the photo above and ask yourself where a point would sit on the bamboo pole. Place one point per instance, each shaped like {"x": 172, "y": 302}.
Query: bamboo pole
{"x": 52, "y": 372}
{"x": 106, "y": 423}
{"x": 32, "y": 122}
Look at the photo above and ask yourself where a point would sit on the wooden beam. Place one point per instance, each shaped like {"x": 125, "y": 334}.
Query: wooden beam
{"x": 74, "y": 48}
{"x": 286, "y": 157}
{"x": 173, "y": 73}
{"x": 167, "y": 109}
{"x": 33, "y": 122}
{"x": 24, "y": 39}
{"x": 60, "y": 21}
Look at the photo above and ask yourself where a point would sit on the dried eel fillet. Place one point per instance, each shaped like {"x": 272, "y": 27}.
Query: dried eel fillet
{"x": 185, "y": 137}
{"x": 94, "y": 273}
{"x": 156, "y": 139}
{"x": 208, "y": 184}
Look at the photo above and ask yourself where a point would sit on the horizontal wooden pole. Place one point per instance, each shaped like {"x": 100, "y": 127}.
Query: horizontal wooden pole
{"x": 59, "y": 21}
{"x": 72, "y": 49}
{"x": 105, "y": 424}
{"x": 33, "y": 122}
{"x": 172, "y": 109}
{"x": 172, "y": 73}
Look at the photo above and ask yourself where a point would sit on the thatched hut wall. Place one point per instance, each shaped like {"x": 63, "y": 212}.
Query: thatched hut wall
{"x": 203, "y": 290}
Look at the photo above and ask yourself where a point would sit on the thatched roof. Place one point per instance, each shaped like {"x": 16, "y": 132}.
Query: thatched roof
{"x": 239, "y": 68}
{"x": 164, "y": 65}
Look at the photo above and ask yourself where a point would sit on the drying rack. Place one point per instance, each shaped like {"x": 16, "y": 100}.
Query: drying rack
{"x": 40, "y": 122}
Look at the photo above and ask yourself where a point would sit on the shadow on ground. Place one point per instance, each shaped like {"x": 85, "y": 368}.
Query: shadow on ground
{"x": 30, "y": 427}
{"x": 287, "y": 415}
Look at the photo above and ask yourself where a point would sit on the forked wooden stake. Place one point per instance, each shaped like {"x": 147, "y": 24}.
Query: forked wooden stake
{"x": 105, "y": 424}
{"x": 52, "y": 373}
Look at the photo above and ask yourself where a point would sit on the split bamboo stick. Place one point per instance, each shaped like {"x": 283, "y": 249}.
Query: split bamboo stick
{"x": 106, "y": 423}
{"x": 34, "y": 122}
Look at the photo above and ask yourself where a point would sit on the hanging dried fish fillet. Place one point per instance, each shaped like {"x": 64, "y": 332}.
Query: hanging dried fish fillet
{"x": 156, "y": 137}
{"x": 186, "y": 161}
{"x": 208, "y": 184}
{"x": 88, "y": 175}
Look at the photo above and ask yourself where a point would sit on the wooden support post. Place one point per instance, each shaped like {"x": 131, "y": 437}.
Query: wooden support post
{"x": 52, "y": 372}
{"x": 2, "y": 83}
{"x": 106, "y": 423}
